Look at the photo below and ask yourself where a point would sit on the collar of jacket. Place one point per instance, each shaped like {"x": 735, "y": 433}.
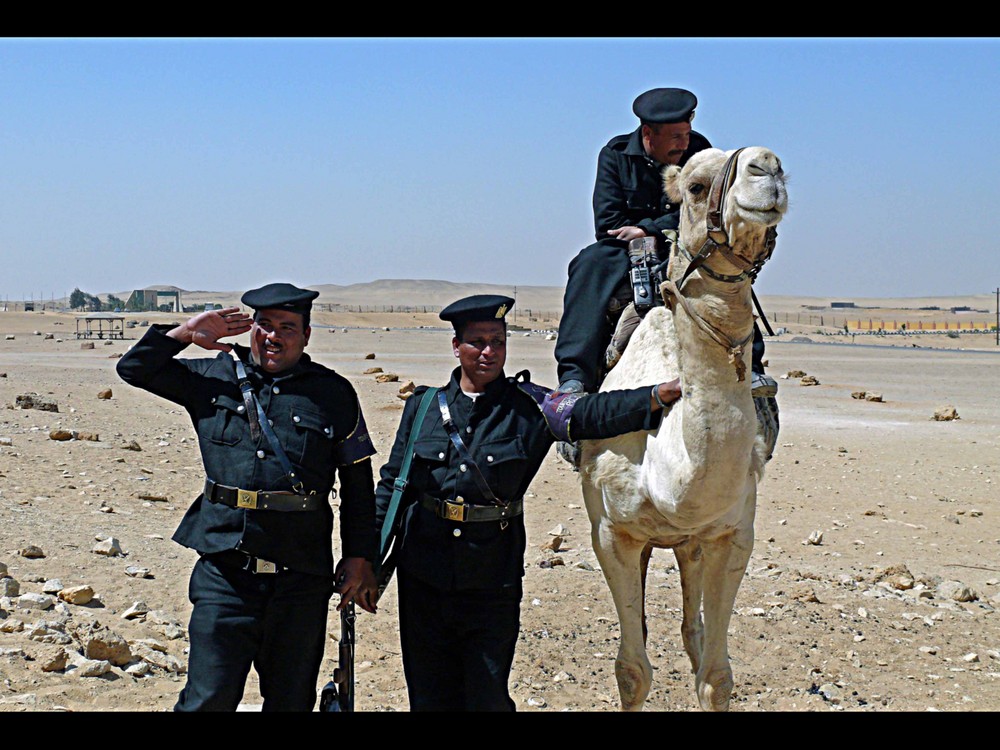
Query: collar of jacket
{"x": 494, "y": 390}
{"x": 634, "y": 147}
{"x": 243, "y": 352}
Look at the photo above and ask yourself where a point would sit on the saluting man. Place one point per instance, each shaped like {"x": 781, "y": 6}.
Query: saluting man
{"x": 275, "y": 431}
{"x": 461, "y": 541}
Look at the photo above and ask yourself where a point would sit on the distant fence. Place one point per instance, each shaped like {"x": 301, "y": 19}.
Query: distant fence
{"x": 858, "y": 325}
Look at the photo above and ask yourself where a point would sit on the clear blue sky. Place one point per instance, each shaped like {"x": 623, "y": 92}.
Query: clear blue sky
{"x": 223, "y": 164}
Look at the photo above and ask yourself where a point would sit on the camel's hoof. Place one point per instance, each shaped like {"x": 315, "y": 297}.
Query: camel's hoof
{"x": 714, "y": 693}
{"x": 633, "y": 685}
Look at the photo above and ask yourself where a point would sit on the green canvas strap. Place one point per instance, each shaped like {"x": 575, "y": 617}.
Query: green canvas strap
{"x": 399, "y": 486}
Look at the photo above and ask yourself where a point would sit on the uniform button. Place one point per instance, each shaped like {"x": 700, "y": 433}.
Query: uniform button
{"x": 463, "y": 467}
{"x": 260, "y": 454}
{"x": 489, "y": 459}
{"x": 666, "y": 207}
{"x": 457, "y": 532}
{"x": 459, "y": 499}
{"x": 213, "y": 399}
{"x": 468, "y": 428}
{"x": 276, "y": 389}
{"x": 296, "y": 419}
{"x": 241, "y": 409}
{"x": 271, "y": 422}
{"x": 327, "y": 430}
{"x": 441, "y": 454}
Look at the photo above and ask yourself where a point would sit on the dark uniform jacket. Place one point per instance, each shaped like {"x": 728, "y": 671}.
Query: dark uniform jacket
{"x": 508, "y": 437}
{"x": 629, "y": 186}
{"x": 318, "y": 421}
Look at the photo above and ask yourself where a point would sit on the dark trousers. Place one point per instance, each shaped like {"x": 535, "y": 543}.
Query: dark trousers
{"x": 584, "y": 333}
{"x": 458, "y": 646}
{"x": 274, "y": 622}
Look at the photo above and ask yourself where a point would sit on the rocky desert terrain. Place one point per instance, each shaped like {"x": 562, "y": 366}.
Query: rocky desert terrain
{"x": 873, "y": 586}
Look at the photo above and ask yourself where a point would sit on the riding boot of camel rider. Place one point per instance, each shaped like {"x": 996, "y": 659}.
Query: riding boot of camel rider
{"x": 629, "y": 203}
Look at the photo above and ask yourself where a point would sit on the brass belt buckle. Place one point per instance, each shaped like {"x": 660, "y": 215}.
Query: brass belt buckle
{"x": 265, "y": 566}
{"x": 454, "y": 511}
{"x": 246, "y": 499}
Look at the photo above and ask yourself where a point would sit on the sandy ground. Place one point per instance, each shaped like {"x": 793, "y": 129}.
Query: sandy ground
{"x": 812, "y": 630}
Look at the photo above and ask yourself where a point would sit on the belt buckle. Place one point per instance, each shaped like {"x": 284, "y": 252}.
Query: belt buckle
{"x": 264, "y": 566}
{"x": 246, "y": 499}
{"x": 454, "y": 511}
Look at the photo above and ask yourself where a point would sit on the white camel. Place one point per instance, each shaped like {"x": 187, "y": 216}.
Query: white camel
{"x": 691, "y": 485}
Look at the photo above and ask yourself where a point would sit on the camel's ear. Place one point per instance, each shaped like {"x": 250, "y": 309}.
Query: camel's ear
{"x": 672, "y": 183}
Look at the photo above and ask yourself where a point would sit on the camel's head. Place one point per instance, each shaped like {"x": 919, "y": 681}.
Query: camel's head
{"x": 754, "y": 200}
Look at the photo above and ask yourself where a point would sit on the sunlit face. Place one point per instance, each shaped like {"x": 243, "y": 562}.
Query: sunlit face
{"x": 277, "y": 339}
{"x": 482, "y": 351}
{"x": 668, "y": 142}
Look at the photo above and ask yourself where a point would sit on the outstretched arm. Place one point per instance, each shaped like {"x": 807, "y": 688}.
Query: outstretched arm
{"x": 577, "y": 416}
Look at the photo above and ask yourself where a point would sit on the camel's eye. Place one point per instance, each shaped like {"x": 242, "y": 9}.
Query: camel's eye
{"x": 696, "y": 189}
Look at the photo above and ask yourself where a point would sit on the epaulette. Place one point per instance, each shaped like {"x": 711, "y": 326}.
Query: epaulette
{"x": 535, "y": 392}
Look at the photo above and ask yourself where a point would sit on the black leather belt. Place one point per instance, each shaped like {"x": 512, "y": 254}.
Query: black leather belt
{"x": 243, "y": 561}
{"x": 234, "y": 497}
{"x": 465, "y": 512}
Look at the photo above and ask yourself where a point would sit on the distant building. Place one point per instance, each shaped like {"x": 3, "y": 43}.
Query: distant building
{"x": 143, "y": 300}
{"x": 841, "y": 304}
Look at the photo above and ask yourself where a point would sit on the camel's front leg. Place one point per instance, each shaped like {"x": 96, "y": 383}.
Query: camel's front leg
{"x": 725, "y": 562}
{"x": 689, "y": 563}
{"x": 619, "y": 555}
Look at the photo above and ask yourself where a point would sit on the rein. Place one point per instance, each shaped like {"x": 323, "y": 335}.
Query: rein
{"x": 717, "y": 240}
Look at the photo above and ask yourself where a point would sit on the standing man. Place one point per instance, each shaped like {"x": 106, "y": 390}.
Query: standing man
{"x": 275, "y": 429}
{"x": 629, "y": 203}
{"x": 461, "y": 540}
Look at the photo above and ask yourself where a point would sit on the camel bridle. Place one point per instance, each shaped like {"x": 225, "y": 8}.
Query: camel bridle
{"x": 717, "y": 240}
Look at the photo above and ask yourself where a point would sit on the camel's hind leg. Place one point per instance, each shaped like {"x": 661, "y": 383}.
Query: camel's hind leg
{"x": 647, "y": 552}
{"x": 725, "y": 562}
{"x": 689, "y": 563}
{"x": 619, "y": 555}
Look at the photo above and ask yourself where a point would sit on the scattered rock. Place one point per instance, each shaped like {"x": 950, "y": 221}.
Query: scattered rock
{"x": 11, "y": 626}
{"x": 91, "y": 436}
{"x": 159, "y": 659}
{"x": 956, "y": 591}
{"x": 407, "y": 387}
{"x": 92, "y": 667}
{"x": 553, "y": 544}
{"x": 564, "y": 676}
{"x": 372, "y": 371}
{"x": 53, "y": 659}
{"x": 945, "y": 414}
{"x": 536, "y": 702}
{"x": 550, "y": 337}
{"x": 132, "y": 445}
{"x": 109, "y": 547}
{"x": 804, "y": 593}
{"x": 559, "y": 530}
{"x": 831, "y": 692}
{"x": 78, "y": 595}
{"x": 809, "y": 380}
{"x": 971, "y": 658}
{"x": 796, "y": 374}
{"x": 3, "y": 570}
{"x": 584, "y": 565}
{"x": 134, "y": 571}
{"x": 105, "y": 394}
{"x": 9, "y": 337}
{"x": 153, "y": 498}
{"x": 49, "y": 631}
{"x": 61, "y": 435}
{"x": 49, "y": 336}
{"x": 13, "y": 653}
{"x": 139, "y": 669}
{"x": 136, "y": 611}
{"x": 106, "y": 645}
{"x": 34, "y": 401}
{"x": 387, "y": 377}
{"x": 370, "y": 355}
{"x": 858, "y": 395}
{"x": 405, "y": 395}
{"x": 6, "y": 441}
{"x": 897, "y": 576}
{"x": 87, "y": 345}
{"x": 32, "y": 551}
{"x": 35, "y": 601}
{"x": 928, "y": 650}
{"x": 873, "y": 397}
{"x": 169, "y": 626}
{"x": 815, "y": 538}
{"x": 9, "y": 587}
{"x": 52, "y": 586}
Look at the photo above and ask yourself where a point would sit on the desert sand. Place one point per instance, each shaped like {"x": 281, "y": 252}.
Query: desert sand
{"x": 815, "y": 628}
